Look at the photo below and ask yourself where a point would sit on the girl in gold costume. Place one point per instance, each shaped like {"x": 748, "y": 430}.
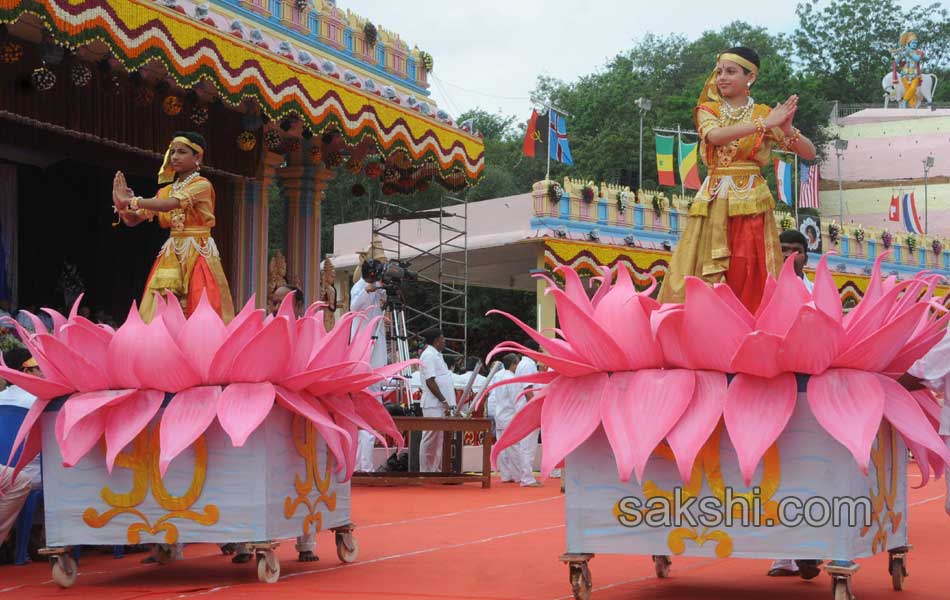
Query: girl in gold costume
{"x": 730, "y": 234}
{"x": 188, "y": 263}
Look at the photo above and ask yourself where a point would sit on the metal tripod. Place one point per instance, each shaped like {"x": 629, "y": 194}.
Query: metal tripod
{"x": 399, "y": 347}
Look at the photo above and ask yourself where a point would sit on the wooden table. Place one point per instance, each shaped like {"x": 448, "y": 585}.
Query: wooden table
{"x": 451, "y": 424}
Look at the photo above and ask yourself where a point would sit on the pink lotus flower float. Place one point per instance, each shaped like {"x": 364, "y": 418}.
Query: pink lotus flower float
{"x": 116, "y": 381}
{"x": 648, "y": 372}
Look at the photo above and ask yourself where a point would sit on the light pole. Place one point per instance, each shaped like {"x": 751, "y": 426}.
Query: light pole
{"x": 644, "y": 104}
{"x": 840, "y": 147}
{"x": 928, "y": 163}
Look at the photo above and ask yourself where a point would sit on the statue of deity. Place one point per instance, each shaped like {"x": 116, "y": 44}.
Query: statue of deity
{"x": 906, "y": 67}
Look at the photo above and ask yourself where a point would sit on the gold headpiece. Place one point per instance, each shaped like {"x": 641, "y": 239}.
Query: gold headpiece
{"x": 166, "y": 174}
{"x": 710, "y": 92}
{"x": 907, "y": 36}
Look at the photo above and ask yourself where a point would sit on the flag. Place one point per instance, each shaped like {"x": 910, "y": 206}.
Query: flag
{"x": 664, "y": 159}
{"x": 909, "y": 208}
{"x": 689, "y": 170}
{"x": 808, "y": 192}
{"x": 557, "y": 139}
{"x": 783, "y": 181}
{"x": 894, "y": 214}
{"x": 535, "y": 142}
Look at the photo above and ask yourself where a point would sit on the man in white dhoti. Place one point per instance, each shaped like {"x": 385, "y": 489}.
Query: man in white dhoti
{"x": 370, "y": 299}
{"x": 513, "y": 461}
{"x": 438, "y": 398}
{"x": 529, "y": 445}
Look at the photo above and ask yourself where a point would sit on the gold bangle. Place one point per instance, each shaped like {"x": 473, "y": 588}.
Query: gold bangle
{"x": 134, "y": 202}
{"x": 759, "y": 123}
{"x": 792, "y": 139}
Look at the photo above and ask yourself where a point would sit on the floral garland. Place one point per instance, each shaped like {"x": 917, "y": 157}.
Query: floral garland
{"x": 937, "y": 246}
{"x": 787, "y": 222}
{"x": 858, "y": 234}
{"x": 427, "y": 62}
{"x": 834, "y": 232}
{"x": 587, "y": 194}
{"x": 370, "y": 34}
{"x": 657, "y": 205}
{"x": 554, "y": 193}
{"x": 887, "y": 238}
{"x": 623, "y": 200}
{"x": 911, "y": 242}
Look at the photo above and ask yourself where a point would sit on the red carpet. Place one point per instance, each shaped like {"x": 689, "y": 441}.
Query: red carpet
{"x": 465, "y": 542}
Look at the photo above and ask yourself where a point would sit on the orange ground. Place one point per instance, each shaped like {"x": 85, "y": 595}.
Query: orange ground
{"x": 443, "y": 542}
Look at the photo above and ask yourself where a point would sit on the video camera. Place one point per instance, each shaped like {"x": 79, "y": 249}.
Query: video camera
{"x": 392, "y": 275}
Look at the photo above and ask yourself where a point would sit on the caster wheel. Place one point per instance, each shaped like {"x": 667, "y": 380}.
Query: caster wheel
{"x": 841, "y": 590}
{"x": 662, "y": 565}
{"x": 581, "y": 583}
{"x": 163, "y": 554}
{"x": 347, "y": 548}
{"x": 898, "y": 570}
{"x": 64, "y": 569}
{"x": 268, "y": 567}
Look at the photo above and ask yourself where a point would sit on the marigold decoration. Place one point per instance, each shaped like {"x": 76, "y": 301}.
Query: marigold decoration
{"x": 199, "y": 115}
{"x": 80, "y": 74}
{"x": 334, "y": 159}
{"x": 859, "y": 234}
{"x": 272, "y": 140}
{"x": 11, "y": 52}
{"x": 887, "y": 238}
{"x": 657, "y": 205}
{"x": 456, "y": 179}
{"x": 648, "y": 372}
{"x": 936, "y": 246}
{"x": 291, "y": 144}
{"x": 373, "y": 170}
{"x": 246, "y": 141}
{"x": 43, "y": 79}
{"x": 357, "y": 190}
{"x": 172, "y": 105}
{"x": 554, "y": 193}
{"x": 911, "y": 242}
{"x": 370, "y": 34}
{"x": 426, "y": 59}
{"x": 787, "y": 222}
{"x": 400, "y": 159}
{"x": 144, "y": 96}
{"x": 354, "y": 166}
{"x": 316, "y": 155}
{"x": 834, "y": 233}
{"x": 116, "y": 381}
{"x": 587, "y": 194}
{"x": 390, "y": 175}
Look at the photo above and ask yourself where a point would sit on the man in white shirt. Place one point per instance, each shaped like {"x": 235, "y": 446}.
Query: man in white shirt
{"x": 370, "y": 299}
{"x": 512, "y": 462}
{"x": 527, "y": 366}
{"x": 438, "y": 398}
{"x": 793, "y": 242}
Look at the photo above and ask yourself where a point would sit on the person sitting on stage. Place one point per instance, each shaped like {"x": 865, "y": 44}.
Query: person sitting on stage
{"x": 794, "y": 242}
{"x": 438, "y": 398}
{"x": 730, "y": 234}
{"x": 188, "y": 264}
{"x": 513, "y": 461}
{"x": 278, "y": 297}
{"x": 370, "y": 299}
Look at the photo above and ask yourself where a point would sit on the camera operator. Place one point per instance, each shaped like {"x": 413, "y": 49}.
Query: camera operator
{"x": 438, "y": 398}
{"x": 368, "y": 297}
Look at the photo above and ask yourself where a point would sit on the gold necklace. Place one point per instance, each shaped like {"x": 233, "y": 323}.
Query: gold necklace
{"x": 180, "y": 185}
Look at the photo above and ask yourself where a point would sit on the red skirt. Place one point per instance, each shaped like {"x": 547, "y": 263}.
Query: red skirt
{"x": 747, "y": 272}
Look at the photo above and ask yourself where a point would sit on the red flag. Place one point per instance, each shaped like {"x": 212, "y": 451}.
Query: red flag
{"x": 894, "y": 214}
{"x": 536, "y": 137}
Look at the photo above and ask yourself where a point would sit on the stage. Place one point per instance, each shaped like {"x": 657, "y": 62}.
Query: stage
{"x": 465, "y": 542}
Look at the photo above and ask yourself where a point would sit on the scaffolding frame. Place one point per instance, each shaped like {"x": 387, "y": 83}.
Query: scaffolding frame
{"x": 439, "y": 265}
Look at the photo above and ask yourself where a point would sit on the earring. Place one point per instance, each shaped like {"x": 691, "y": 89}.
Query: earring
{"x": 748, "y": 84}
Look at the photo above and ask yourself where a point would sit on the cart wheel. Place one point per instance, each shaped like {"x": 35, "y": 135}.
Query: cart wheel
{"x": 898, "y": 570}
{"x": 662, "y": 565}
{"x": 64, "y": 569}
{"x": 347, "y": 548}
{"x": 840, "y": 589}
{"x": 163, "y": 554}
{"x": 268, "y": 567}
{"x": 580, "y": 580}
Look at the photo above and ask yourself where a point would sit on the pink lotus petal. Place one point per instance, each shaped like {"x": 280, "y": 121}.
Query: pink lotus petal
{"x": 306, "y": 336}
{"x": 876, "y": 351}
{"x": 39, "y": 387}
{"x": 122, "y": 350}
{"x": 58, "y": 320}
{"x": 873, "y": 318}
{"x": 201, "y": 336}
{"x": 903, "y": 412}
{"x": 80, "y": 406}
{"x": 39, "y": 328}
{"x": 848, "y": 404}
{"x": 912, "y": 352}
{"x": 928, "y": 403}
{"x": 667, "y": 327}
{"x": 84, "y": 375}
{"x": 767, "y": 293}
{"x": 789, "y": 297}
{"x": 606, "y": 282}
{"x": 373, "y": 412}
{"x": 74, "y": 309}
{"x": 247, "y": 312}
{"x": 334, "y": 347}
{"x": 758, "y": 355}
{"x": 570, "y": 414}
{"x": 361, "y": 345}
{"x": 307, "y": 378}
{"x": 352, "y": 438}
{"x": 554, "y": 347}
{"x": 811, "y": 344}
{"x": 237, "y": 339}
{"x": 126, "y": 420}
{"x": 756, "y": 412}
{"x": 81, "y": 438}
{"x": 344, "y": 411}
{"x": 344, "y": 384}
{"x": 872, "y": 294}
{"x": 336, "y": 437}
{"x": 574, "y": 287}
{"x": 541, "y": 377}
{"x": 159, "y": 363}
{"x": 174, "y": 316}
{"x": 93, "y": 342}
{"x": 562, "y": 366}
{"x": 826, "y": 294}
{"x": 587, "y": 336}
{"x": 526, "y": 421}
{"x": 264, "y": 358}
{"x": 186, "y": 418}
{"x": 699, "y": 420}
{"x": 729, "y": 298}
{"x": 32, "y": 446}
{"x": 638, "y": 410}
{"x": 242, "y": 407}
{"x": 621, "y": 313}
{"x": 28, "y": 428}
{"x": 706, "y": 318}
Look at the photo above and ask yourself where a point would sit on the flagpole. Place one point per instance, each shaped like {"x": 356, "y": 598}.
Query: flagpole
{"x": 679, "y": 154}
{"x": 795, "y": 191}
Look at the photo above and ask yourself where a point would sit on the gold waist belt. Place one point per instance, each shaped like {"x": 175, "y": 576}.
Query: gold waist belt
{"x": 747, "y": 169}
{"x": 191, "y": 232}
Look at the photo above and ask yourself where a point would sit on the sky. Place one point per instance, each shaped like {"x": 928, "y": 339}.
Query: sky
{"x": 489, "y": 53}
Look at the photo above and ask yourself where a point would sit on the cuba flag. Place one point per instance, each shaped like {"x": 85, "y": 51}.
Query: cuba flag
{"x": 783, "y": 181}
{"x": 909, "y": 213}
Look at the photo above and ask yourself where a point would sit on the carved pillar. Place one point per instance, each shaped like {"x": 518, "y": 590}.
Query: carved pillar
{"x": 250, "y": 241}
{"x": 546, "y": 314}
